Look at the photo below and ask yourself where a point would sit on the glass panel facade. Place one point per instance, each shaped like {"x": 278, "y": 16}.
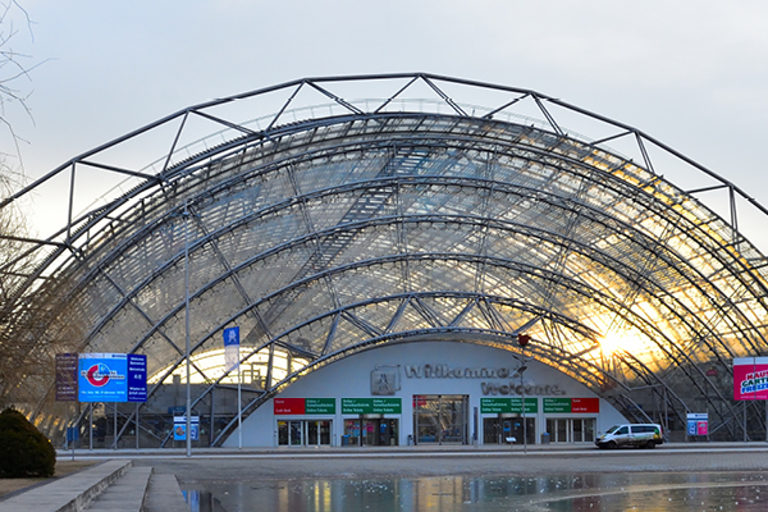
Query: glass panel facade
{"x": 375, "y": 432}
{"x": 330, "y": 232}
{"x": 571, "y": 430}
{"x": 441, "y": 418}
{"x": 303, "y": 432}
{"x": 508, "y": 429}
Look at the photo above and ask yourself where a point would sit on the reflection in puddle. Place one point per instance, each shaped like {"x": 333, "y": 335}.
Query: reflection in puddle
{"x": 607, "y": 492}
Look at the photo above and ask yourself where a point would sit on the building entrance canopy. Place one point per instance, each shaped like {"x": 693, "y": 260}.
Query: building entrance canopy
{"x": 324, "y": 230}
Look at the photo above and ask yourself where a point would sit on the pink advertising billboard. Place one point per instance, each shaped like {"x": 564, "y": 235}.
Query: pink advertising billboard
{"x": 750, "y": 378}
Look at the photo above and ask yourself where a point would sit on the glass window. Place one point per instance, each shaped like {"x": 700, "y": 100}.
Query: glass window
{"x": 589, "y": 429}
{"x": 441, "y": 418}
{"x": 578, "y": 430}
{"x": 282, "y": 433}
{"x": 289, "y": 432}
{"x": 351, "y": 435}
{"x": 318, "y": 432}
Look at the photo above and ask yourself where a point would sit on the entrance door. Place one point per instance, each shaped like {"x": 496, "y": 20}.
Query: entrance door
{"x": 508, "y": 429}
{"x": 318, "y": 432}
{"x": 290, "y": 433}
{"x": 441, "y": 418}
{"x": 584, "y": 430}
{"x": 374, "y": 432}
{"x": 571, "y": 430}
{"x": 379, "y": 432}
{"x": 303, "y": 432}
{"x": 558, "y": 430}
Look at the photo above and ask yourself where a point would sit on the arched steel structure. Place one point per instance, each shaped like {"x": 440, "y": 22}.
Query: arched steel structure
{"x": 364, "y": 222}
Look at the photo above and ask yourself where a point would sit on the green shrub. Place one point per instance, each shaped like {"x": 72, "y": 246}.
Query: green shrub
{"x": 24, "y": 451}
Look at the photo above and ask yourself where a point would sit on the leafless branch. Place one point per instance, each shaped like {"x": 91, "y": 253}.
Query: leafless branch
{"x": 15, "y": 66}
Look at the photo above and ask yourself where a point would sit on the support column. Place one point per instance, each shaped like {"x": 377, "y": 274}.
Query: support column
{"x": 744, "y": 420}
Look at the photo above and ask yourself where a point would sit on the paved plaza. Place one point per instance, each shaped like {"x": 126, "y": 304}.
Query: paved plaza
{"x": 153, "y": 481}
{"x": 455, "y": 460}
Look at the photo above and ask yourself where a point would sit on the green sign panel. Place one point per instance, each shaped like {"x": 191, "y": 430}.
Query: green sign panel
{"x": 494, "y": 405}
{"x": 557, "y": 405}
{"x": 320, "y": 406}
{"x": 371, "y": 406}
{"x": 508, "y": 405}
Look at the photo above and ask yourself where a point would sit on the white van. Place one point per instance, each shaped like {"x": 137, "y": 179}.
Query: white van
{"x": 640, "y": 435}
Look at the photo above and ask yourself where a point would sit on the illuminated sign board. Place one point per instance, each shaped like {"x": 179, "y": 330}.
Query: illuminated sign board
{"x": 585, "y": 405}
{"x": 304, "y": 406}
{"x": 508, "y": 405}
{"x": 572, "y": 405}
{"x": 136, "y": 390}
{"x": 371, "y": 406}
{"x": 103, "y": 377}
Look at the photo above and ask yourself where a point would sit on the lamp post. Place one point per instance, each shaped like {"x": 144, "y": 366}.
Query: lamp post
{"x": 522, "y": 394}
{"x": 522, "y": 341}
{"x": 188, "y": 407}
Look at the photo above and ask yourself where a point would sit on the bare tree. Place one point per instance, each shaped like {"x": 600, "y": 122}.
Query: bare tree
{"x": 15, "y": 258}
{"x": 15, "y": 68}
{"x": 14, "y": 73}
{"x": 11, "y": 270}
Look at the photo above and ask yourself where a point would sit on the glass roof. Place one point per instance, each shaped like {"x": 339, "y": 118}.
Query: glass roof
{"x": 340, "y": 232}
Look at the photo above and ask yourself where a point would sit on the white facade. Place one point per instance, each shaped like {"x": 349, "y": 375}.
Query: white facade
{"x": 439, "y": 368}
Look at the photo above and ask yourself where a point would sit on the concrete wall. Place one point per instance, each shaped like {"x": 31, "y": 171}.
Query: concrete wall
{"x": 440, "y": 367}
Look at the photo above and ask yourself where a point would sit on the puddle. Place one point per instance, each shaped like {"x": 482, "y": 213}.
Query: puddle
{"x": 600, "y": 492}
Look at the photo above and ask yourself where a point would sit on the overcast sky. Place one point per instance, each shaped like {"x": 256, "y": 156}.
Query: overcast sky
{"x": 689, "y": 73}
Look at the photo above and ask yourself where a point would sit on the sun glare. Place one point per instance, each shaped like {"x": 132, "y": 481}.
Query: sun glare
{"x": 212, "y": 364}
{"x": 616, "y": 341}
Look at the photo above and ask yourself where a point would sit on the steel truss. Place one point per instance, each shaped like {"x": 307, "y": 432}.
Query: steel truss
{"x": 389, "y": 221}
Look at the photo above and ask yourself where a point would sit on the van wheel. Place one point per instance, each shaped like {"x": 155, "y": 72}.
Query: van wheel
{"x": 650, "y": 445}
{"x": 612, "y": 445}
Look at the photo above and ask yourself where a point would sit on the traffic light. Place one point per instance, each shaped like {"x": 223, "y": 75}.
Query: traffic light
{"x": 523, "y": 339}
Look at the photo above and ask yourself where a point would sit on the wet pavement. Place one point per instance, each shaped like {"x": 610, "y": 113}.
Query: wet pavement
{"x": 705, "y": 478}
{"x": 711, "y": 476}
{"x": 580, "y": 492}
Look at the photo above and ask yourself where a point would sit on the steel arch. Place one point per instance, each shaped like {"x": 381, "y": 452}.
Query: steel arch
{"x": 675, "y": 259}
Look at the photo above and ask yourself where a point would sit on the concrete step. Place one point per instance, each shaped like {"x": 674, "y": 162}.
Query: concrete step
{"x": 164, "y": 495}
{"x": 71, "y": 493}
{"x": 126, "y": 494}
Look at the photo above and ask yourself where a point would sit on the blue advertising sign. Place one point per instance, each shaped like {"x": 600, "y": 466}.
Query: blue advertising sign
{"x": 180, "y": 428}
{"x": 232, "y": 346}
{"x": 698, "y": 423}
{"x": 137, "y": 378}
{"x": 102, "y": 377}
{"x": 112, "y": 377}
{"x": 73, "y": 434}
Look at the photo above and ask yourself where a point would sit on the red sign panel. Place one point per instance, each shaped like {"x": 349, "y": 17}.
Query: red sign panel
{"x": 582, "y": 405}
{"x": 289, "y": 405}
{"x": 750, "y": 378}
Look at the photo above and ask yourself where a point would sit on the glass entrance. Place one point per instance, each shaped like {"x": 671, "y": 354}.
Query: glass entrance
{"x": 571, "y": 430}
{"x": 289, "y": 433}
{"x": 318, "y": 432}
{"x": 380, "y": 432}
{"x": 303, "y": 432}
{"x": 508, "y": 429}
{"x": 374, "y": 432}
{"x": 441, "y": 418}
